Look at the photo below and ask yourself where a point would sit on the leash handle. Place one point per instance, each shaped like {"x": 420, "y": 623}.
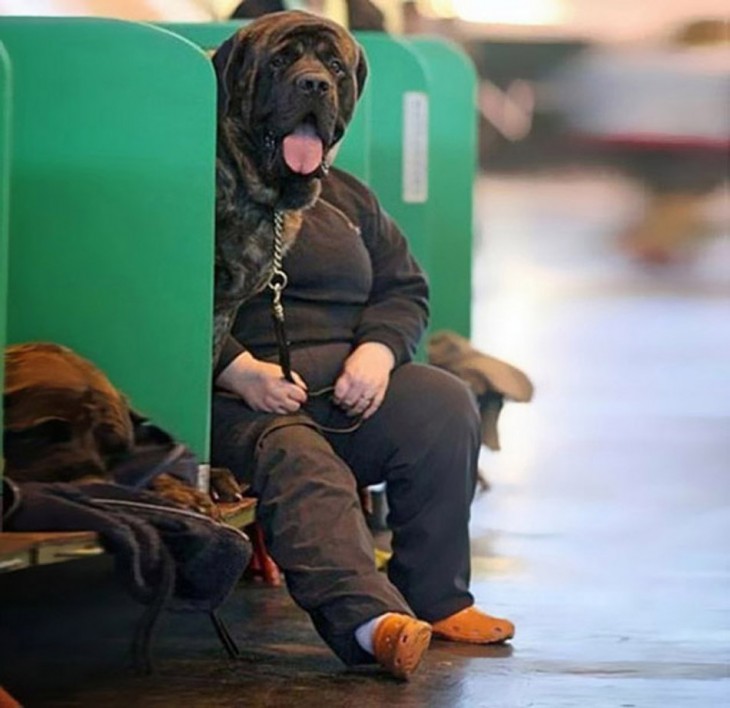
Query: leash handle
{"x": 282, "y": 343}
{"x": 328, "y": 391}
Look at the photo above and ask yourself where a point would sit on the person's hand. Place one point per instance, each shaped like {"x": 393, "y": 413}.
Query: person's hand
{"x": 262, "y": 385}
{"x": 361, "y": 387}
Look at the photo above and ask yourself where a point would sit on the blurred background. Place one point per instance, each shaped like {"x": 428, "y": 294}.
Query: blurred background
{"x": 637, "y": 91}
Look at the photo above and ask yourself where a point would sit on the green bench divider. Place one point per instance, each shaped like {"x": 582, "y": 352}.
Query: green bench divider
{"x": 452, "y": 82}
{"x": 5, "y": 118}
{"x": 207, "y": 35}
{"x": 399, "y": 139}
{"x": 112, "y": 207}
{"x": 354, "y": 153}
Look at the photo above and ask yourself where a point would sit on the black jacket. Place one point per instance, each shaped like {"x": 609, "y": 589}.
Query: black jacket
{"x": 352, "y": 279}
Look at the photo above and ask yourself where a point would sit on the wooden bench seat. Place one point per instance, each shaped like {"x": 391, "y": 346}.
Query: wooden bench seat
{"x": 19, "y": 550}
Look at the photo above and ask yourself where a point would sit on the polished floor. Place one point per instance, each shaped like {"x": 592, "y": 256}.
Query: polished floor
{"x": 605, "y": 535}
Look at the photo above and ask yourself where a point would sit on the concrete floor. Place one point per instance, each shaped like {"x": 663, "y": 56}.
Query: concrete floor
{"x": 605, "y": 536}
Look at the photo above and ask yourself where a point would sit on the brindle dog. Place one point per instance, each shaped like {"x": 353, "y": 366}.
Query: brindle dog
{"x": 288, "y": 84}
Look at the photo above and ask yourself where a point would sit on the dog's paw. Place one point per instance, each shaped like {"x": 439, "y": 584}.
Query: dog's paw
{"x": 183, "y": 495}
{"x": 223, "y": 485}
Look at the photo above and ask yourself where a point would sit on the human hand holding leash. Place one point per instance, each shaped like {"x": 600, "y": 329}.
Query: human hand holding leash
{"x": 361, "y": 387}
{"x": 262, "y": 385}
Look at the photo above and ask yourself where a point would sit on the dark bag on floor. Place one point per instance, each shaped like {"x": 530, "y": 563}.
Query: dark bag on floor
{"x": 166, "y": 557}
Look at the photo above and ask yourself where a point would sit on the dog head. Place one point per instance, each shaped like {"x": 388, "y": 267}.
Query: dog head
{"x": 64, "y": 419}
{"x": 287, "y": 88}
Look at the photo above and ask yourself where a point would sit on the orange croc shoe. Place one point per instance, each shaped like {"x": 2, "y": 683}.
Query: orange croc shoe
{"x": 473, "y": 626}
{"x": 399, "y": 643}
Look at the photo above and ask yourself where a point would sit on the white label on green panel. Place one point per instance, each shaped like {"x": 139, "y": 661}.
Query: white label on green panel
{"x": 203, "y": 482}
{"x": 415, "y": 147}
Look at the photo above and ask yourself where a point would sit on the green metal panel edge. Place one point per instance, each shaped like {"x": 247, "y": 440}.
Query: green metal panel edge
{"x": 453, "y": 135}
{"x": 388, "y": 88}
{"x": 6, "y": 97}
{"x": 206, "y": 35}
{"x": 396, "y": 70}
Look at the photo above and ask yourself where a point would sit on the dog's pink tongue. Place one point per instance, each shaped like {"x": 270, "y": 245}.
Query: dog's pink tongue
{"x": 303, "y": 150}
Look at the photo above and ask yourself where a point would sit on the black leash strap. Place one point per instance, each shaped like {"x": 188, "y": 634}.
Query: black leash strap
{"x": 282, "y": 343}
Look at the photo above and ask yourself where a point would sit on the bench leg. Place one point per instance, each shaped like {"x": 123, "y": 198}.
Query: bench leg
{"x": 229, "y": 644}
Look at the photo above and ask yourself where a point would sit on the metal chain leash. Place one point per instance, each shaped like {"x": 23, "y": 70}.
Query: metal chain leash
{"x": 278, "y": 280}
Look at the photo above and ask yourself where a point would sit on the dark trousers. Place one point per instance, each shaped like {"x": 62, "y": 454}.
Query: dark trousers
{"x": 423, "y": 442}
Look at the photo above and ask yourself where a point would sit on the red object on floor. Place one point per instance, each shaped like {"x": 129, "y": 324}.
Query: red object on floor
{"x": 262, "y": 566}
{"x": 7, "y": 701}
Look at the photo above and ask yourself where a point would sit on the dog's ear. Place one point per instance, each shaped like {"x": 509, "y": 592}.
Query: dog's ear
{"x": 361, "y": 71}
{"x": 221, "y": 57}
{"x": 232, "y": 60}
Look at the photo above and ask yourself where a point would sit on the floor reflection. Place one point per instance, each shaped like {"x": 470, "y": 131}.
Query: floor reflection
{"x": 611, "y": 495}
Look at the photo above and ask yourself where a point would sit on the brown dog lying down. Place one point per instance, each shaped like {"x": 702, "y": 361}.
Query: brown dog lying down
{"x": 65, "y": 422}
{"x": 287, "y": 88}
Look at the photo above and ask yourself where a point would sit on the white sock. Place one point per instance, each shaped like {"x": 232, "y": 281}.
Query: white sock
{"x": 364, "y": 633}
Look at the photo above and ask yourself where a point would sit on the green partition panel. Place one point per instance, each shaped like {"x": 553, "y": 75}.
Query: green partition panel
{"x": 354, "y": 153}
{"x": 399, "y": 135}
{"x": 112, "y": 207}
{"x": 452, "y": 158}
{"x": 5, "y": 117}
{"x": 207, "y": 35}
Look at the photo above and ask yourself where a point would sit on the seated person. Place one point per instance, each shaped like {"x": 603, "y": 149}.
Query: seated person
{"x": 356, "y": 411}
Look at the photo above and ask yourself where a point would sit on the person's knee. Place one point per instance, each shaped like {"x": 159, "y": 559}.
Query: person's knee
{"x": 233, "y": 437}
{"x": 297, "y": 458}
{"x": 433, "y": 432}
{"x": 283, "y": 432}
{"x": 429, "y": 393}
{"x": 453, "y": 396}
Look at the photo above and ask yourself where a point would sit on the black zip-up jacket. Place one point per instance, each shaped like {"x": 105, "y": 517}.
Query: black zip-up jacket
{"x": 352, "y": 279}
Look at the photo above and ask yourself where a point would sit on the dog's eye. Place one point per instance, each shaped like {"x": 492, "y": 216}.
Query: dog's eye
{"x": 337, "y": 66}
{"x": 277, "y": 61}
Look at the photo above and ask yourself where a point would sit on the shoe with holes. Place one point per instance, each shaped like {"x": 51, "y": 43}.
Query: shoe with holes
{"x": 399, "y": 643}
{"x": 473, "y": 626}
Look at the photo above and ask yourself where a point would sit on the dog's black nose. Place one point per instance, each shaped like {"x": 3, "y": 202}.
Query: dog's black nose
{"x": 313, "y": 84}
